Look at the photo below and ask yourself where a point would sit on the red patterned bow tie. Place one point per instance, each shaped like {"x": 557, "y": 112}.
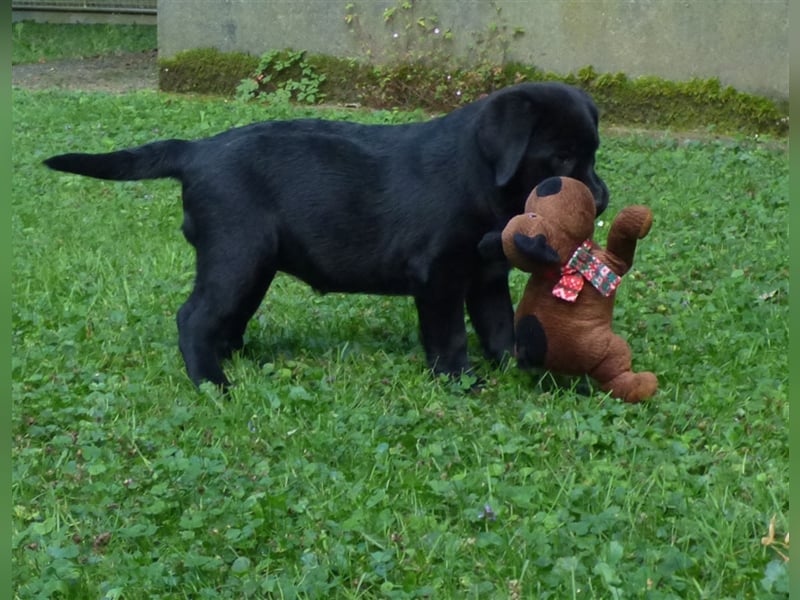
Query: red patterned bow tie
{"x": 583, "y": 265}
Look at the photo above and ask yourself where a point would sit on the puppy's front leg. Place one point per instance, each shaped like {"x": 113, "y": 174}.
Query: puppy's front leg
{"x": 443, "y": 333}
{"x": 491, "y": 311}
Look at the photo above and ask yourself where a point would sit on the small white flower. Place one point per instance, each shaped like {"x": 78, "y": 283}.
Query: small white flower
{"x": 436, "y": 30}
{"x": 395, "y": 35}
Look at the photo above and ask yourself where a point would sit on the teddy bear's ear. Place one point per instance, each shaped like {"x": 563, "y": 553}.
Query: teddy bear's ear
{"x": 549, "y": 187}
{"x": 536, "y": 248}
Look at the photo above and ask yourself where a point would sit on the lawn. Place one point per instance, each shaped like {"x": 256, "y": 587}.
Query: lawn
{"x": 337, "y": 467}
{"x": 34, "y": 42}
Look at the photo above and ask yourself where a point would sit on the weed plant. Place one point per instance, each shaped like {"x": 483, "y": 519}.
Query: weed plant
{"x": 337, "y": 467}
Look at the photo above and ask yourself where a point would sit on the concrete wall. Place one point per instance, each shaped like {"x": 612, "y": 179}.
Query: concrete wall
{"x": 744, "y": 43}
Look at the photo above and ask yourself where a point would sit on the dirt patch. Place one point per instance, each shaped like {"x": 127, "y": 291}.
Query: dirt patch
{"x": 124, "y": 72}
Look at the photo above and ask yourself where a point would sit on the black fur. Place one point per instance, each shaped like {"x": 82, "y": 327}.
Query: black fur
{"x": 531, "y": 343}
{"x": 381, "y": 209}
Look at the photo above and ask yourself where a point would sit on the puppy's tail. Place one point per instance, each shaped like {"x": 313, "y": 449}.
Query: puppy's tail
{"x": 151, "y": 161}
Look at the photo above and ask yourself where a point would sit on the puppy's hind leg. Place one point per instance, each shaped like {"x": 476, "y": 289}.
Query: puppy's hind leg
{"x": 231, "y": 340}
{"x": 228, "y": 290}
{"x": 197, "y": 346}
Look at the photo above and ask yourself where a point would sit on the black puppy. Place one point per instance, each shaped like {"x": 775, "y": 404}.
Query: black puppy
{"x": 381, "y": 209}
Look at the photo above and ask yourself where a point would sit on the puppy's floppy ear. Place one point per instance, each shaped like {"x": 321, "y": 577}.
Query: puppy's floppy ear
{"x": 504, "y": 129}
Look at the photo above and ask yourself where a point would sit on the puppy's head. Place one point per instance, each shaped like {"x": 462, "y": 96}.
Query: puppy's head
{"x": 532, "y": 131}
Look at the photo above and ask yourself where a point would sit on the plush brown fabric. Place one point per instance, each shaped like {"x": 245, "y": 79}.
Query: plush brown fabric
{"x": 579, "y": 337}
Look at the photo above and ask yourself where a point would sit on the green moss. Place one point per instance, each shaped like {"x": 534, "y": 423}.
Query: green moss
{"x": 205, "y": 71}
{"x": 647, "y": 102}
{"x": 693, "y": 104}
{"x": 347, "y": 81}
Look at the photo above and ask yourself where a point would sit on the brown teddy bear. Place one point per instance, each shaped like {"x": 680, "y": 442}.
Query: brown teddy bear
{"x": 563, "y": 321}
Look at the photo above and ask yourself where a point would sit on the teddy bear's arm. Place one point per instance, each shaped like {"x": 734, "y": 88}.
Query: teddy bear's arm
{"x": 536, "y": 248}
{"x": 631, "y": 224}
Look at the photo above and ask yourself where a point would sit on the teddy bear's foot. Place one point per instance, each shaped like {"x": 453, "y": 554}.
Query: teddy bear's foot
{"x": 632, "y": 387}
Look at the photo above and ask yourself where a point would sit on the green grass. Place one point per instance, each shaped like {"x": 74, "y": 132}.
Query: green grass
{"x": 39, "y": 42}
{"x": 338, "y": 467}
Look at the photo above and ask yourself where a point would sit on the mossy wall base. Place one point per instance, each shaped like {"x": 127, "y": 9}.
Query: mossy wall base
{"x": 634, "y": 102}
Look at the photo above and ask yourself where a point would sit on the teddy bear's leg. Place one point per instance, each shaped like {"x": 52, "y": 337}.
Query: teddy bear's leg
{"x": 614, "y": 374}
{"x": 531, "y": 342}
{"x": 632, "y": 387}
